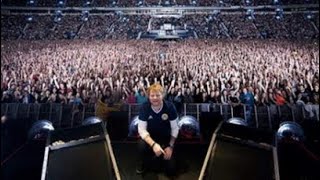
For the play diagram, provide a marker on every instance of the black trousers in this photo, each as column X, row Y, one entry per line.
column 147, row 158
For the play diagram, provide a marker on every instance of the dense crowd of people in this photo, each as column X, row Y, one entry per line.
column 193, row 71
column 230, row 63
column 119, row 26
column 231, row 60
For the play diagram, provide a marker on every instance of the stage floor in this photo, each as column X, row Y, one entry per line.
column 190, row 158
column 27, row 163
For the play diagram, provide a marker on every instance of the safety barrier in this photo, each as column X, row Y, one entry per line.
column 68, row 115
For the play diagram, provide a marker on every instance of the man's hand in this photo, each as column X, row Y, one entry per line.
column 158, row 150
column 168, row 153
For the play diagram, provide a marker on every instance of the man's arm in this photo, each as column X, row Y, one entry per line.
column 144, row 134
column 174, row 131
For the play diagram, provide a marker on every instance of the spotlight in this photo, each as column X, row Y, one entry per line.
column 40, row 130
column 250, row 14
column 57, row 16
column 91, row 120
column 87, row 3
column 133, row 127
column 85, row 16
column 237, row 121
column 31, row 3
column 61, row 3
column 209, row 19
column 57, row 19
column 276, row 2
column 309, row 16
column 290, row 130
column 279, row 13
column 140, row 3
column 189, row 126
column 248, row 2
column 29, row 18
column 216, row 12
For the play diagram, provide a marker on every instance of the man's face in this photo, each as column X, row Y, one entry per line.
column 155, row 98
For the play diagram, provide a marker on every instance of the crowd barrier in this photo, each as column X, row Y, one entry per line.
column 68, row 115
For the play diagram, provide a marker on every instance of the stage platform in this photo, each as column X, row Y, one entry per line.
column 27, row 163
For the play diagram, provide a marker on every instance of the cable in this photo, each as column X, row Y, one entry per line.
column 14, row 153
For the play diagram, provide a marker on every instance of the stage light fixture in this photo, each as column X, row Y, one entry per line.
column 292, row 130
column 189, row 126
column 133, row 127
column 279, row 13
column 40, row 129
column 91, row 120
column 237, row 121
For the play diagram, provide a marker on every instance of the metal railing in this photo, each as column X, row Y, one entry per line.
column 68, row 115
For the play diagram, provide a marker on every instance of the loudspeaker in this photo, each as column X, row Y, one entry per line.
column 241, row 152
column 234, row 160
column 78, row 153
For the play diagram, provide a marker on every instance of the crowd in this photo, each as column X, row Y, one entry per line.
column 193, row 71
column 119, row 26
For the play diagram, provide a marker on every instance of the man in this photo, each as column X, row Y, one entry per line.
column 158, row 129
column 247, row 99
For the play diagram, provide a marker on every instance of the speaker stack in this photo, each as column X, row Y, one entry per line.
column 238, row 152
column 79, row 153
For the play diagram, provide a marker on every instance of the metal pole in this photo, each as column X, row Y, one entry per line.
column 38, row 109
column 269, row 118
column 129, row 114
column 17, row 110
column 113, row 159
column 256, row 116
column 60, row 116
column 83, row 112
column 279, row 111
column 231, row 111
column 72, row 116
column 275, row 159
column 210, row 149
column 198, row 116
column 245, row 113
column 292, row 113
column 7, row 107
column 50, row 112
